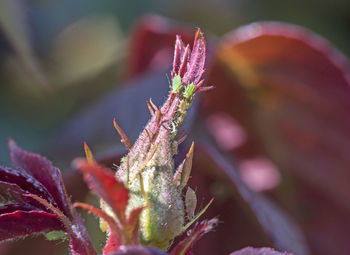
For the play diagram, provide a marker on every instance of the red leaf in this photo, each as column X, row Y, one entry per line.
column 103, row 182
column 12, row 193
column 114, row 232
column 152, row 43
column 258, row 251
column 20, row 224
column 186, row 245
column 134, row 216
column 133, row 224
column 112, row 244
column 44, row 172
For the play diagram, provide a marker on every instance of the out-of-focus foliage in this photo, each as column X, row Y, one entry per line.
column 280, row 106
column 36, row 32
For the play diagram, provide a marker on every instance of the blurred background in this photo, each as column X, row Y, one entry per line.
column 57, row 57
column 52, row 50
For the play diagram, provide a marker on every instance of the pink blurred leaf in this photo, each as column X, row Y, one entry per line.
column 259, row 173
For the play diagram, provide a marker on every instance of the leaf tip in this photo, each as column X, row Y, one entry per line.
column 88, row 154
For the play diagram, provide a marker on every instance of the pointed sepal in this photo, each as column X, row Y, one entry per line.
column 122, row 134
column 183, row 172
column 114, row 231
column 88, row 154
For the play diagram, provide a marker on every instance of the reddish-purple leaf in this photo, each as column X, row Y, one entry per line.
column 103, row 182
column 258, row 251
column 20, row 224
column 10, row 208
column 25, row 182
column 80, row 242
column 12, row 193
column 37, row 202
column 185, row 246
column 44, row 172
